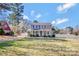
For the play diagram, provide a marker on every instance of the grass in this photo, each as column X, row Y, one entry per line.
column 40, row 47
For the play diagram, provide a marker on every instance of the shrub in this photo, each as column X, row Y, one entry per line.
column 11, row 33
column 53, row 35
column 37, row 35
column 76, row 33
column 49, row 35
column 34, row 35
column 31, row 35
column 1, row 31
column 44, row 36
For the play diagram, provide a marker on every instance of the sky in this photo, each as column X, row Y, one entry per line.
column 58, row 14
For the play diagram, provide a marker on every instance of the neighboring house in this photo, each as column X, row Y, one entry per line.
column 76, row 31
column 5, row 27
column 40, row 29
column 67, row 30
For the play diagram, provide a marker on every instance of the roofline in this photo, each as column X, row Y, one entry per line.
column 42, row 23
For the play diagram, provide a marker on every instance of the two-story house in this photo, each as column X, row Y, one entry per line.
column 41, row 29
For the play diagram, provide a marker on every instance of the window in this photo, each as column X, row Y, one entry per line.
column 39, row 26
column 44, row 26
column 36, row 27
column 32, row 26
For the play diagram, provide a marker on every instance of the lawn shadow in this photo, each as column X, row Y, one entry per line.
column 6, row 44
column 43, row 38
column 60, row 39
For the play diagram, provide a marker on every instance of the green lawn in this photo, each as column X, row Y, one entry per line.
column 40, row 47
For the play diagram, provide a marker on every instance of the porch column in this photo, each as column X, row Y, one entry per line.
column 42, row 33
column 39, row 33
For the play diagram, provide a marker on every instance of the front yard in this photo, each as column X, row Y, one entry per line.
column 40, row 47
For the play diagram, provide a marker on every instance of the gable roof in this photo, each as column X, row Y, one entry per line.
column 4, row 25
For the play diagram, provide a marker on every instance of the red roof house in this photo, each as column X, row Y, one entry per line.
column 4, row 25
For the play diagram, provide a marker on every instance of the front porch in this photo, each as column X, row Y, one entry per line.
column 41, row 33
